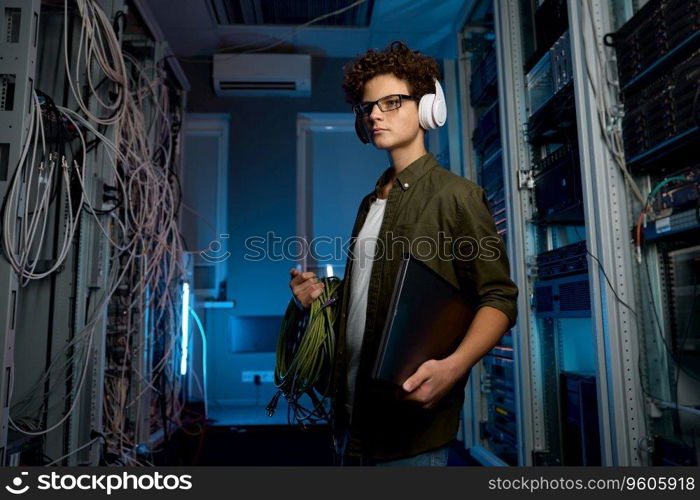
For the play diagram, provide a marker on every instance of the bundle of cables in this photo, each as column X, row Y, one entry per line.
column 305, row 355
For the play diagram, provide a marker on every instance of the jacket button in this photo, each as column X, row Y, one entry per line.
column 405, row 184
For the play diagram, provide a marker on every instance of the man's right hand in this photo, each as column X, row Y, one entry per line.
column 305, row 287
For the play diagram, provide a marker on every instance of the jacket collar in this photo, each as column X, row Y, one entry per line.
column 408, row 176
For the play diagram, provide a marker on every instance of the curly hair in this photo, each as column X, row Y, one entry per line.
column 420, row 71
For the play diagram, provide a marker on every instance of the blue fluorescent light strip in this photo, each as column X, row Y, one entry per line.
column 185, row 327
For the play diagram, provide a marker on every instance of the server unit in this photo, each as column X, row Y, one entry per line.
column 567, row 297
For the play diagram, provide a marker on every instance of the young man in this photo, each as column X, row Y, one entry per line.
column 418, row 200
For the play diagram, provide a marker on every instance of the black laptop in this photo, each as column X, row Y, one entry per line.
column 427, row 319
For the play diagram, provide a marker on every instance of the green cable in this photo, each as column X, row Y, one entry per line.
column 305, row 354
column 661, row 184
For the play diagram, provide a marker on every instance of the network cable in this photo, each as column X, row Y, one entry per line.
column 305, row 354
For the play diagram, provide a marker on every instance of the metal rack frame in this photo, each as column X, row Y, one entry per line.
column 605, row 202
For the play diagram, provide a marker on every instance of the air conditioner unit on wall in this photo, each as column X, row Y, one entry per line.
column 262, row 75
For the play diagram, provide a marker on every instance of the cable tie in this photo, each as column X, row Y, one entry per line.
column 329, row 302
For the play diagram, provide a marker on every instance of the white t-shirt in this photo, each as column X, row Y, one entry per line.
column 364, row 252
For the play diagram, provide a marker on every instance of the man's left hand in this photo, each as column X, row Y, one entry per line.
column 430, row 383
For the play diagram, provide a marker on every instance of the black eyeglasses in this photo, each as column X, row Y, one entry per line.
column 386, row 103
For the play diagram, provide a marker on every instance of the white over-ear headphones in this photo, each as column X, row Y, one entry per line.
column 432, row 110
column 432, row 113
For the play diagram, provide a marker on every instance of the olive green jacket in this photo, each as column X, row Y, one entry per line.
column 427, row 203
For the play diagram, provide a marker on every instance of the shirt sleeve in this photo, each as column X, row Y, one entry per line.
column 480, row 258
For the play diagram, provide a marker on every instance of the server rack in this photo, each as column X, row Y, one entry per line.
column 658, row 52
column 544, row 111
column 493, row 425
column 56, row 329
column 19, row 52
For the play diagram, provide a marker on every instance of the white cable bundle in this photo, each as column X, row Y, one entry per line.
column 96, row 35
column 25, row 250
column 143, row 234
column 604, row 90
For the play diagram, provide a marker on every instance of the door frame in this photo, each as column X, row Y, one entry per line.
column 308, row 123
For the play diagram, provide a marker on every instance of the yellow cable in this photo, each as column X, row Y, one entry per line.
column 305, row 353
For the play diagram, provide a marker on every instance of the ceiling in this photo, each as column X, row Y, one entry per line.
column 193, row 29
column 290, row 12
